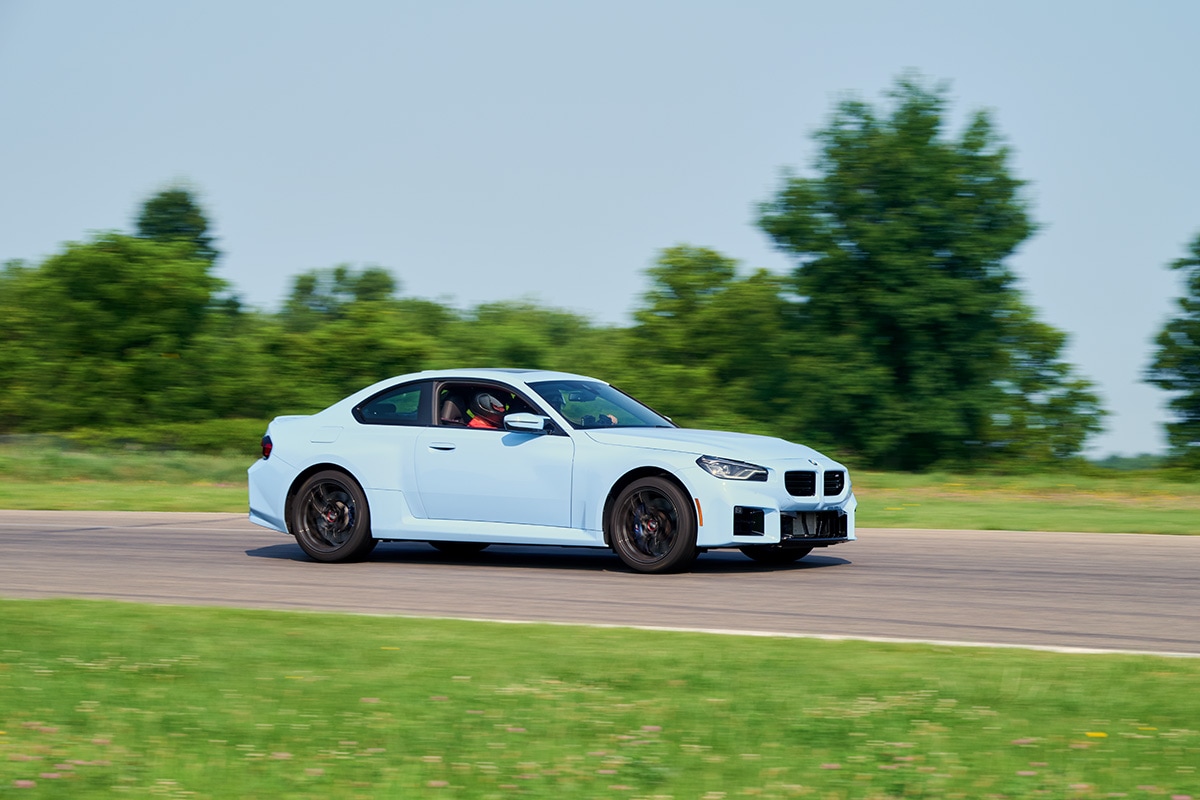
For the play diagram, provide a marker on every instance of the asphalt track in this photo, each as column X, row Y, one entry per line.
column 1059, row 590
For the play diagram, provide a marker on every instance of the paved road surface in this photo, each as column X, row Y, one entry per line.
column 1102, row 591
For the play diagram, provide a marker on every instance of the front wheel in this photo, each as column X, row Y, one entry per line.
column 330, row 519
column 775, row 554
column 652, row 528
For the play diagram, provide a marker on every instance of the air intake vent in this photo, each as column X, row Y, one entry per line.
column 823, row 525
column 835, row 482
column 800, row 484
column 747, row 521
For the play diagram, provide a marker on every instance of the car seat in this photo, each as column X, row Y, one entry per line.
column 452, row 411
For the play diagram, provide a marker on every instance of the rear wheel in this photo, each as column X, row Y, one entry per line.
column 652, row 528
column 775, row 553
column 460, row 548
column 330, row 519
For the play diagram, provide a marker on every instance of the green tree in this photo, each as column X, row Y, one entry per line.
column 342, row 329
column 1176, row 365
column 368, row 342
column 1046, row 411
column 174, row 215
column 907, row 307
column 709, row 345
column 96, row 333
column 22, row 352
column 520, row 333
column 229, row 370
column 321, row 295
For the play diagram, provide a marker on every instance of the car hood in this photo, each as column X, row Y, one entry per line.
column 724, row 444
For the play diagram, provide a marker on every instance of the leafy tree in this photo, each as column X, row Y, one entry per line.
column 174, row 215
column 370, row 341
column 676, row 320
column 228, row 369
column 324, row 294
column 710, row 347
column 22, row 364
column 517, row 333
column 907, row 307
column 1176, row 365
column 1046, row 412
column 342, row 329
column 95, row 333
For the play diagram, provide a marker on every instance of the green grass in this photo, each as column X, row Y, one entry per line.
column 1152, row 501
column 108, row 699
column 219, row 436
column 84, row 495
column 46, row 473
column 42, row 459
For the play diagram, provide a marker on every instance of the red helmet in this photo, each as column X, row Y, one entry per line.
column 487, row 407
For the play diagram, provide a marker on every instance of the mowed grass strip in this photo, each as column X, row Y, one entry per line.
column 43, row 474
column 85, row 495
column 1153, row 501
column 103, row 699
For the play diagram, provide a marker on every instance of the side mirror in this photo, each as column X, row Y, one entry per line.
column 530, row 423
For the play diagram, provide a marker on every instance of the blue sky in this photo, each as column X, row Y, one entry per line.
column 548, row 150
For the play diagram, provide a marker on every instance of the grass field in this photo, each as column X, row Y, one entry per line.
column 1117, row 502
column 108, row 699
column 44, row 474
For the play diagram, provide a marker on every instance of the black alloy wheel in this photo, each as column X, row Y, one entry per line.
column 652, row 527
column 329, row 518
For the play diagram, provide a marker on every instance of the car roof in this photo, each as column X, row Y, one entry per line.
column 515, row 377
column 499, row 373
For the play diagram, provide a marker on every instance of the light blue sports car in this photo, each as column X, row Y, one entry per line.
column 466, row 458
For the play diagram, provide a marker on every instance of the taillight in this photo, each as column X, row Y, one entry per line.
column 266, row 446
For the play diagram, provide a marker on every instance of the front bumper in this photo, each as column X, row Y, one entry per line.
column 741, row 513
column 799, row 528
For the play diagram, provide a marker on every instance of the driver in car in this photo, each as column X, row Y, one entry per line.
column 486, row 411
column 587, row 420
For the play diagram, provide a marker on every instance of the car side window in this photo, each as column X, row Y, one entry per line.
column 460, row 405
column 590, row 411
column 402, row 405
column 592, row 404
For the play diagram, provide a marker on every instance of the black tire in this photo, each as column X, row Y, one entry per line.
column 330, row 519
column 775, row 553
column 652, row 527
column 460, row 548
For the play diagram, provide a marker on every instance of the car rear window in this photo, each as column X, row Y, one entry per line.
column 401, row 405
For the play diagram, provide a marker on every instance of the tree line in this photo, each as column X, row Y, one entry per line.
column 900, row 340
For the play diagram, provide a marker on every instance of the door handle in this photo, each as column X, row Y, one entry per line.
column 441, row 446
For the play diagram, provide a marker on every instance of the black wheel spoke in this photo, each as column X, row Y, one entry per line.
column 329, row 518
column 650, row 527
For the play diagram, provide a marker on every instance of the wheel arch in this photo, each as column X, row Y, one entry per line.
column 307, row 473
column 637, row 474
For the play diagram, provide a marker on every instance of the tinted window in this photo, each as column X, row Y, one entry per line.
column 590, row 404
column 402, row 405
column 457, row 401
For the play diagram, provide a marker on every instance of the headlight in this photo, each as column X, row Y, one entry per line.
column 731, row 470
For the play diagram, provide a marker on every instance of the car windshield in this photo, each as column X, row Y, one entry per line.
column 591, row 404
